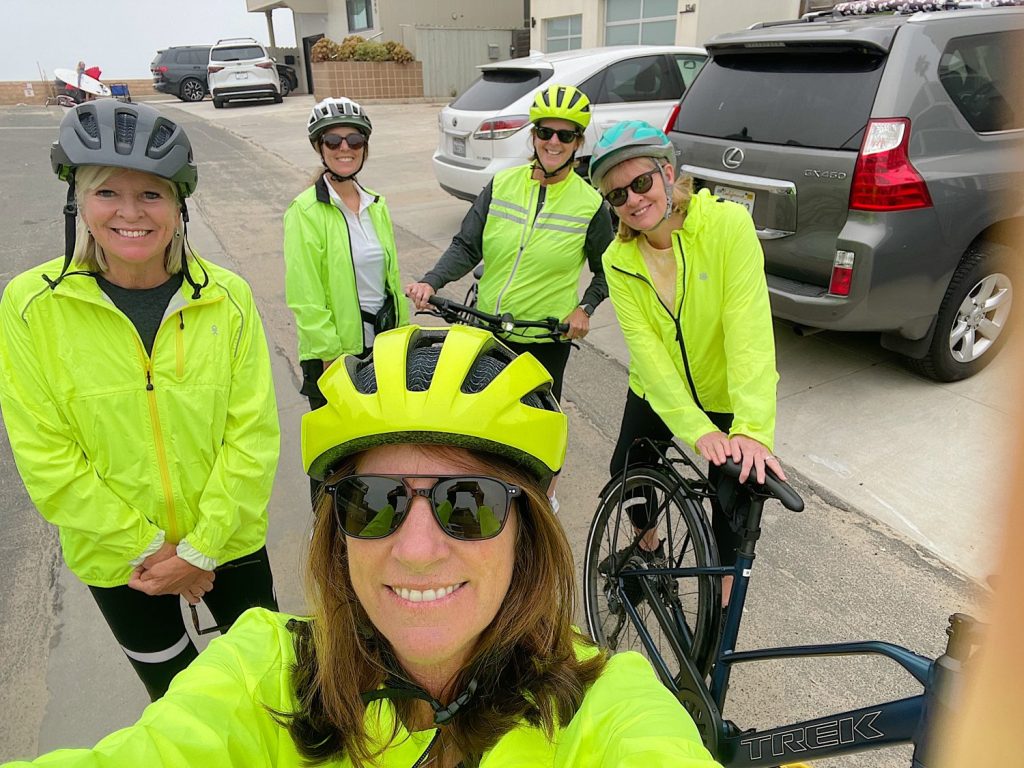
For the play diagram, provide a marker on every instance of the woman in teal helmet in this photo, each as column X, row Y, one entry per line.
column 427, row 644
column 686, row 278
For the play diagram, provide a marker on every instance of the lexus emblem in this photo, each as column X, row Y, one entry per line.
column 732, row 157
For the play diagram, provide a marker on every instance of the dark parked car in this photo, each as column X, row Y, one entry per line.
column 181, row 71
column 881, row 157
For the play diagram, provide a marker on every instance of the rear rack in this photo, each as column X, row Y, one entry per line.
column 844, row 10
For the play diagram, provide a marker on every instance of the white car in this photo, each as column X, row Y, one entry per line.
column 239, row 69
column 486, row 129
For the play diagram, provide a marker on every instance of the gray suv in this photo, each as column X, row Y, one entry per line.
column 882, row 160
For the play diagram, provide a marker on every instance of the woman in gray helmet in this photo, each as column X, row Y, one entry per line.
column 136, row 391
column 341, row 268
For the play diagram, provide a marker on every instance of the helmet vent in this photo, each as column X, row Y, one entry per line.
column 89, row 124
column 366, row 378
column 419, row 371
column 124, row 132
column 162, row 134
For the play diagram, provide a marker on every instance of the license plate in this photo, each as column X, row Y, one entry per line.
column 241, row 75
column 744, row 198
column 459, row 146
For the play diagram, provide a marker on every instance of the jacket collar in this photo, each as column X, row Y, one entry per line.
column 323, row 196
column 196, row 286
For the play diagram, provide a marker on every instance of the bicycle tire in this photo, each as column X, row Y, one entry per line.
column 689, row 542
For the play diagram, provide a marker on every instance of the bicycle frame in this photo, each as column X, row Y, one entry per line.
column 906, row 720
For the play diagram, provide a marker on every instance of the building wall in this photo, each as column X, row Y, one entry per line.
column 693, row 27
column 463, row 14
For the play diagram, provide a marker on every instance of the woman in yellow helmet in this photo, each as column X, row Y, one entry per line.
column 534, row 226
column 442, row 595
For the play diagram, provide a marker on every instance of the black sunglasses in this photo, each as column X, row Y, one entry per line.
column 354, row 140
column 640, row 184
column 565, row 135
column 467, row 508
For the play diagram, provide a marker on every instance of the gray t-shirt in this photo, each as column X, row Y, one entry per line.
column 145, row 307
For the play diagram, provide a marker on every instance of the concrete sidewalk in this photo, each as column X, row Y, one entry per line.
column 920, row 457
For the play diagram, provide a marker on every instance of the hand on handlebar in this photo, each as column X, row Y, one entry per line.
column 419, row 293
column 579, row 324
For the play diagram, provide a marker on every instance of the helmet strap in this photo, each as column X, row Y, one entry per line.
column 397, row 688
column 550, row 174
column 70, row 236
column 668, row 190
column 196, row 286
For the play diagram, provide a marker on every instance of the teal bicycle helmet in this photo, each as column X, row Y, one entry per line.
column 630, row 138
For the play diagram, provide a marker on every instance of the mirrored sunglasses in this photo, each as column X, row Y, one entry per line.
column 640, row 184
column 467, row 507
column 333, row 140
column 564, row 135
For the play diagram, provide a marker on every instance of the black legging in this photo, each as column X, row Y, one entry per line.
column 151, row 631
column 640, row 420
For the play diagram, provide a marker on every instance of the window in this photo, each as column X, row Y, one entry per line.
column 563, row 33
column 689, row 65
column 237, row 53
column 359, row 14
column 497, row 88
column 645, row 79
column 976, row 73
column 650, row 22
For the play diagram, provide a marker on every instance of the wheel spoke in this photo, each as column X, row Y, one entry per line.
column 996, row 299
column 958, row 332
column 989, row 329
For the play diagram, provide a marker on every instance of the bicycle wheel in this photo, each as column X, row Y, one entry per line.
column 687, row 542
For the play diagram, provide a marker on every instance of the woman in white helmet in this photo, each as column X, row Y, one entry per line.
column 341, row 269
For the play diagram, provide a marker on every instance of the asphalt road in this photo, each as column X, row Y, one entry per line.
column 827, row 574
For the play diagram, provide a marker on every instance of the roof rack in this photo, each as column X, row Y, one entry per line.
column 237, row 40
column 864, row 7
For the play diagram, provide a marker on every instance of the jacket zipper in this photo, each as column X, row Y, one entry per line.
column 158, row 442
column 179, row 347
column 675, row 320
column 423, row 758
column 523, row 240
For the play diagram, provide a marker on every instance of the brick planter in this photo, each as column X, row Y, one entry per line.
column 360, row 80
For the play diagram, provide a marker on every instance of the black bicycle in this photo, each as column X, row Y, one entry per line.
column 653, row 584
column 504, row 325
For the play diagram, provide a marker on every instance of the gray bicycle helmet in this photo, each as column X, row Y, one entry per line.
column 131, row 136
column 625, row 140
column 341, row 111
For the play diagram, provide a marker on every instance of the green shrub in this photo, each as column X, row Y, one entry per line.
column 356, row 48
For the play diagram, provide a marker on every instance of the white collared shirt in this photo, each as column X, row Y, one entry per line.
column 367, row 254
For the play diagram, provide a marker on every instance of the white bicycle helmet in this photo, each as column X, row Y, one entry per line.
column 337, row 111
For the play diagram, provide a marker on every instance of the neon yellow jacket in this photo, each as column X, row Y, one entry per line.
column 320, row 279
column 114, row 445
column 215, row 714
column 725, row 319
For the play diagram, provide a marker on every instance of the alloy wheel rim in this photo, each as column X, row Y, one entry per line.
column 981, row 318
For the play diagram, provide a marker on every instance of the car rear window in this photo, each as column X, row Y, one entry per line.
column 497, row 88
column 237, row 53
column 811, row 99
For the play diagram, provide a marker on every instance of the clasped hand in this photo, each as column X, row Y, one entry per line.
column 164, row 573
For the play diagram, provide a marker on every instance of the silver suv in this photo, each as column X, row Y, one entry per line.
column 240, row 68
column 882, row 159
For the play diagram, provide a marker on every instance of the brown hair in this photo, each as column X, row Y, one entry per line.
column 524, row 662
column 682, row 191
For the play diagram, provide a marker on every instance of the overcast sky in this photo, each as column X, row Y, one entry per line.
column 121, row 37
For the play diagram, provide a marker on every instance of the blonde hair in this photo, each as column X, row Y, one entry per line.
column 88, row 254
column 682, row 191
column 526, row 657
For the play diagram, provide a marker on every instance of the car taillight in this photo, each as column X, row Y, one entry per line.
column 266, row 65
column 213, row 68
column 500, row 127
column 884, row 179
column 842, row 274
column 161, row 70
column 672, row 118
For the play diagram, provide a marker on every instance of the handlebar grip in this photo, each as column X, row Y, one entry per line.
column 438, row 301
column 773, row 486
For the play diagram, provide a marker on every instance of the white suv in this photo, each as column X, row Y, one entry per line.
column 486, row 129
column 240, row 68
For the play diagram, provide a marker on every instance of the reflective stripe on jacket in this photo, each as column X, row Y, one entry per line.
column 714, row 351
column 320, row 279
column 114, row 444
column 533, row 259
column 218, row 713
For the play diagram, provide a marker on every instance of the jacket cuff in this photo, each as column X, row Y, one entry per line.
column 152, row 549
column 193, row 556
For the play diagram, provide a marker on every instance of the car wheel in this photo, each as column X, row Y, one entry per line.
column 218, row 103
column 192, row 90
column 286, row 86
column 973, row 319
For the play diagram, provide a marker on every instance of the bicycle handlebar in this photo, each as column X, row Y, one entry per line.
column 772, row 486
column 452, row 311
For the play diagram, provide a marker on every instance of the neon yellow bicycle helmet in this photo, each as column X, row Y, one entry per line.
column 454, row 386
column 562, row 102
